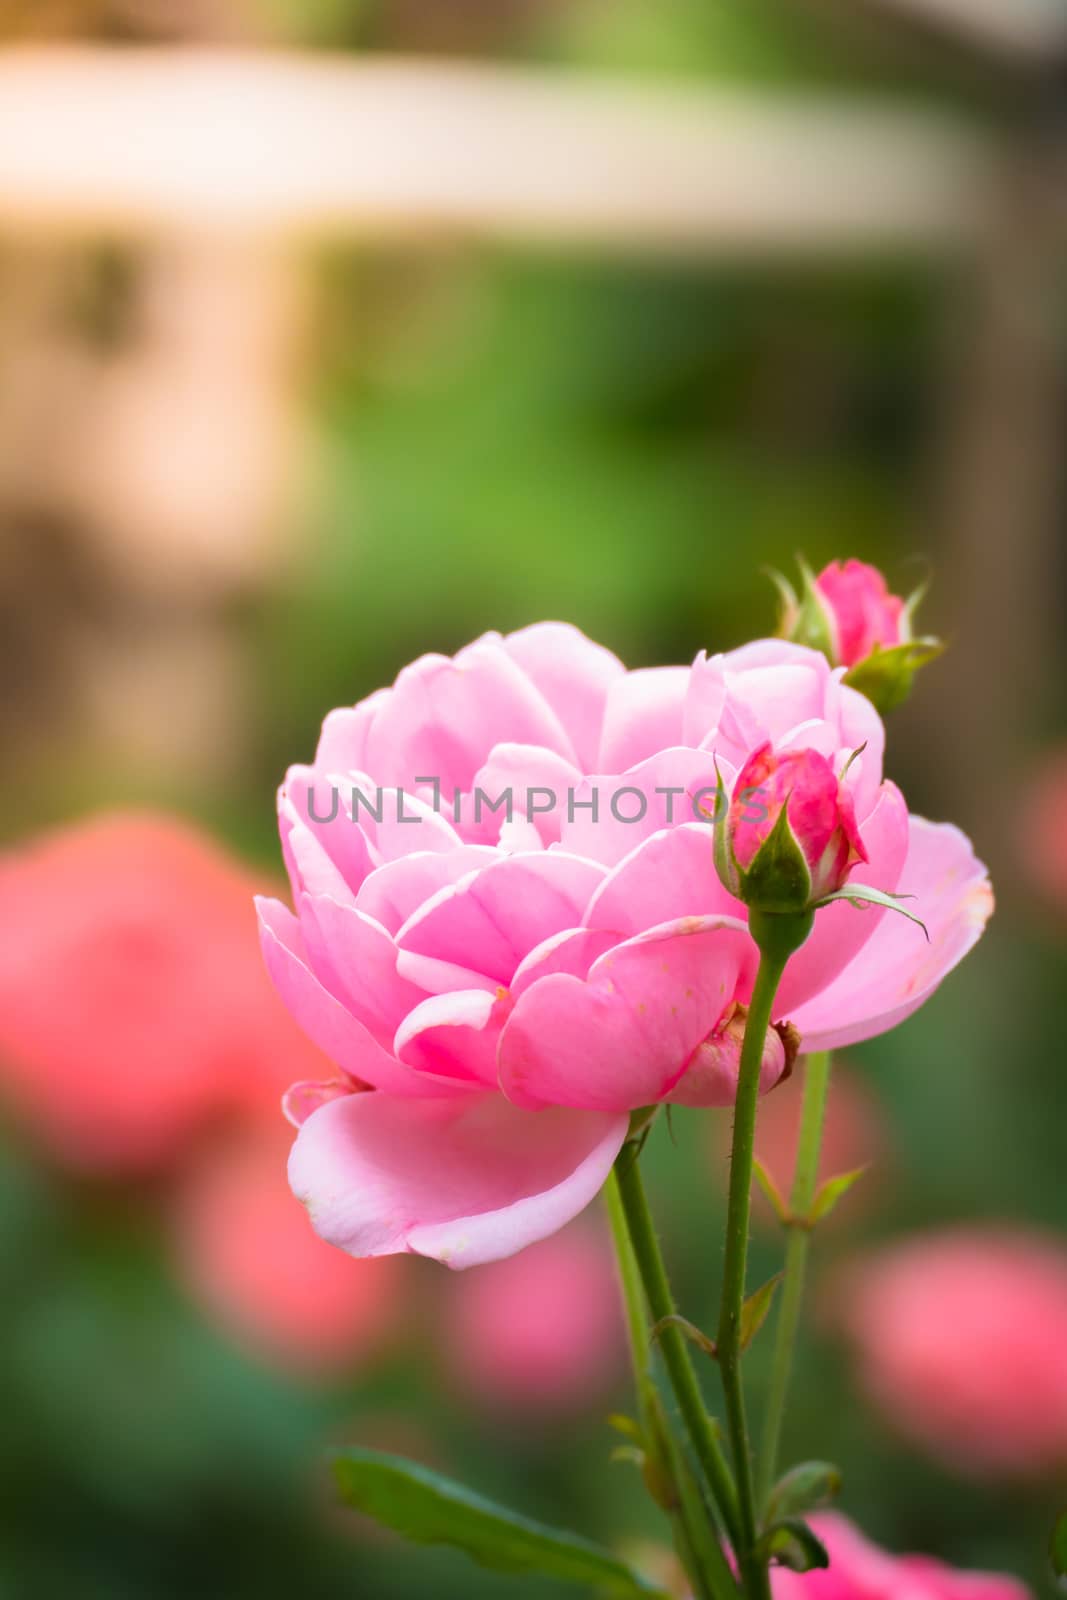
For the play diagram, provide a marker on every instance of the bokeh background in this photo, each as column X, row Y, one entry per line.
column 335, row 332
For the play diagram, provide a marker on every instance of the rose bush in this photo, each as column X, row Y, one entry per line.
column 501, row 985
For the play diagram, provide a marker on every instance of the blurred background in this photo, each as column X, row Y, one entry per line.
column 337, row 331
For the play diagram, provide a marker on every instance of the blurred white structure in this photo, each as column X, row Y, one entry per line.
column 149, row 140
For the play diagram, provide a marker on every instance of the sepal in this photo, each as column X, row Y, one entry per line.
column 803, row 1488
column 805, row 619
column 791, row 1543
column 886, row 675
column 861, row 894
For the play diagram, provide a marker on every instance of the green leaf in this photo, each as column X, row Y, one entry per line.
column 755, row 1309
column 791, row 1543
column 830, row 1192
column 802, row 1488
column 427, row 1509
column 771, row 1190
column 1057, row 1550
column 860, row 894
column 694, row 1334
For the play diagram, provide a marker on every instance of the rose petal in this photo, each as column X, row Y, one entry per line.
column 393, row 891
column 492, row 918
column 643, row 715
column 896, row 969
column 356, row 959
column 841, row 930
column 464, row 1181
column 574, row 675
column 623, row 1037
column 610, row 816
column 322, row 1016
column 669, row 875
column 455, row 1034
column 444, row 716
column 518, row 771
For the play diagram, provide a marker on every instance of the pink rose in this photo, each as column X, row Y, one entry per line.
column 792, row 862
column 133, row 1002
column 540, row 1333
column 510, row 981
column 861, row 612
column 962, row 1340
column 248, row 1255
column 860, row 1570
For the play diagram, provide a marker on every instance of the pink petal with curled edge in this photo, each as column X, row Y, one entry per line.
column 356, row 959
column 324, row 1018
column 643, row 715
column 574, row 675
column 572, row 951
column 491, row 919
column 623, row 1037
column 321, row 847
column 455, row 1034
column 464, row 1181
column 515, row 770
column 433, row 976
column 396, row 889
column 301, row 1099
column 399, row 822
column 896, row 969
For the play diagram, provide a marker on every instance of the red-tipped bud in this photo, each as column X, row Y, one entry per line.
column 789, row 836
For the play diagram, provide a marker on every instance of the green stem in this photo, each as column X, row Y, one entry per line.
column 696, row 1538
column 753, row 1571
column 675, row 1351
column 802, row 1195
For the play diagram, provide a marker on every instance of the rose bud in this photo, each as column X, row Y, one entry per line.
column 788, row 837
column 848, row 613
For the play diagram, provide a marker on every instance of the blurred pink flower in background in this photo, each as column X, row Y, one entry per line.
column 133, row 1004
column 248, row 1254
column 854, row 1135
column 860, row 1570
column 511, row 989
column 961, row 1338
column 1042, row 832
column 540, row 1332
